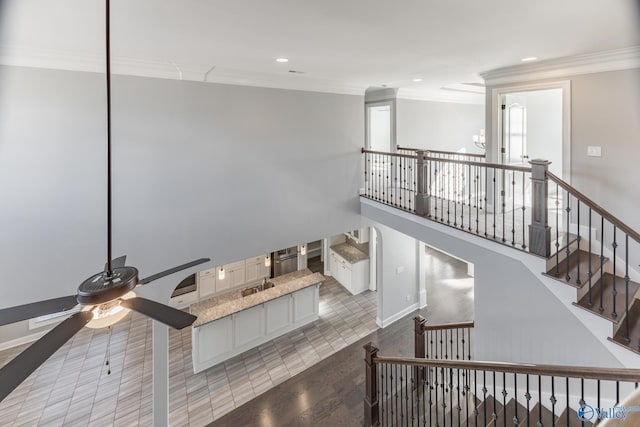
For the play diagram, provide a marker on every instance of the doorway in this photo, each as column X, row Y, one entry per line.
column 532, row 121
column 380, row 127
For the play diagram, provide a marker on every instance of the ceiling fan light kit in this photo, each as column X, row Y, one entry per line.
column 105, row 297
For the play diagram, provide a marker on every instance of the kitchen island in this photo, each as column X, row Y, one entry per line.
column 231, row 324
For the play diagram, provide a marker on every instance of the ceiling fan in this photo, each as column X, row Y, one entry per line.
column 103, row 299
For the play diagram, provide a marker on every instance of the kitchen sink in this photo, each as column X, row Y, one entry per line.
column 250, row 291
column 255, row 289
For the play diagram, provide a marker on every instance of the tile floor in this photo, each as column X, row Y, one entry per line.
column 73, row 389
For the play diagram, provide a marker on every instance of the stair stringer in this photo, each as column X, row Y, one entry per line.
column 487, row 256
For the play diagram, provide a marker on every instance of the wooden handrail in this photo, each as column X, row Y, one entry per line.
column 596, row 207
column 591, row 373
column 406, row 156
column 453, row 153
column 460, row 162
column 440, row 327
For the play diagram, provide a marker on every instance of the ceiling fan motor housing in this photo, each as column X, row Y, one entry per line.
column 102, row 287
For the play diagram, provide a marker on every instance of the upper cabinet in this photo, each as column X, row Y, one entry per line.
column 230, row 276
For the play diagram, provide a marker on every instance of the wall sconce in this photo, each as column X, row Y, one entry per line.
column 479, row 140
column 303, row 250
column 221, row 273
column 267, row 261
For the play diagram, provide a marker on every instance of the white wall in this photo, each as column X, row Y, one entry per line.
column 439, row 125
column 200, row 170
column 604, row 112
column 544, row 126
column 399, row 292
column 517, row 318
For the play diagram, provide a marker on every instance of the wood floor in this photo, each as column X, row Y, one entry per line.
column 331, row 392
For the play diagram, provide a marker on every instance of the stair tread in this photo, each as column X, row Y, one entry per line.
column 607, row 297
column 488, row 404
column 509, row 413
column 538, row 414
column 634, row 329
column 572, row 268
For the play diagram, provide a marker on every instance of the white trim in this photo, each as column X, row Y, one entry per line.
column 399, row 315
column 22, row 340
column 78, row 61
column 496, row 133
column 611, row 60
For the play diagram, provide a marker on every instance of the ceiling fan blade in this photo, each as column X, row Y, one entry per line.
column 35, row 309
column 170, row 316
column 17, row 370
column 173, row 270
column 116, row 262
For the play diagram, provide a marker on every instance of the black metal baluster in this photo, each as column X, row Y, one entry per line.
column 448, row 192
column 486, row 211
column 470, row 188
column 450, row 397
column 513, row 209
column 578, row 281
column 528, row 398
column 495, row 203
column 477, row 199
column 394, row 182
column 442, row 197
column 582, row 402
column 590, row 275
column 615, row 290
column 504, row 397
column 567, row 386
column 568, row 251
column 601, row 308
column 494, row 414
column 627, row 338
column 617, row 393
column 436, row 390
column 557, row 273
column 524, row 204
column 553, row 400
column 503, row 203
column 455, row 194
column 484, row 398
column 516, row 420
column 539, row 400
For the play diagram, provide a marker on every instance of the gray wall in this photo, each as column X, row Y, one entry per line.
column 201, row 170
column 605, row 111
column 517, row 318
column 438, row 125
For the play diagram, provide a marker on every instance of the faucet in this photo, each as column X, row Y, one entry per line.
column 263, row 284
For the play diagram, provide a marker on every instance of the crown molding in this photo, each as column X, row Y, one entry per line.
column 598, row 62
column 440, row 95
column 78, row 61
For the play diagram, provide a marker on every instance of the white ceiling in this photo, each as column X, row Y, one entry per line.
column 340, row 45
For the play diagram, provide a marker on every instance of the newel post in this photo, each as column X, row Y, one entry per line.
column 422, row 204
column 419, row 348
column 539, row 230
column 371, row 406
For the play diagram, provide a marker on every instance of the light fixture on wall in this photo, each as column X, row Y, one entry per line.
column 221, row 273
column 479, row 140
column 267, row 261
column 303, row 249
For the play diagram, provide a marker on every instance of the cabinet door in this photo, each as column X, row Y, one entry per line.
column 236, row 276
column 249, row 325
column 278, row 313
column 207, row 283
column 253, row 271
column 304, row 304
column 214, row 339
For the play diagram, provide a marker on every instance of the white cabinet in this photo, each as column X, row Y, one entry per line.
column 234, row 276
column 184, row 300
column 206, row 283
column 256, row 270
column 354, row 277
column 249, row 325
column 237, row 276
column 220, row 340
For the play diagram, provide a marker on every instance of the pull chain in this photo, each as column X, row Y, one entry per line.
column 108, row 355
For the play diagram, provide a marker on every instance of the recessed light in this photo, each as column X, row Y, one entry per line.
column 282, row 60
column 529, row 59
column 417, row 80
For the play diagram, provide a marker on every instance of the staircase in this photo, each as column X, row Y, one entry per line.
column 526, row 208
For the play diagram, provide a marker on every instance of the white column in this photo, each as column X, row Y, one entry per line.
column 160, row 375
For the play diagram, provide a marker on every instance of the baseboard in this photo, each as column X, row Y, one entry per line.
column 22, row 340
column 399, row 315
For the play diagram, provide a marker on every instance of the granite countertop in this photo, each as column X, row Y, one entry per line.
column 227, row 304
column 350, row 253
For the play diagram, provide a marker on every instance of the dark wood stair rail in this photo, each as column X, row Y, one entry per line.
column 388, row 377
column 442, row 152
